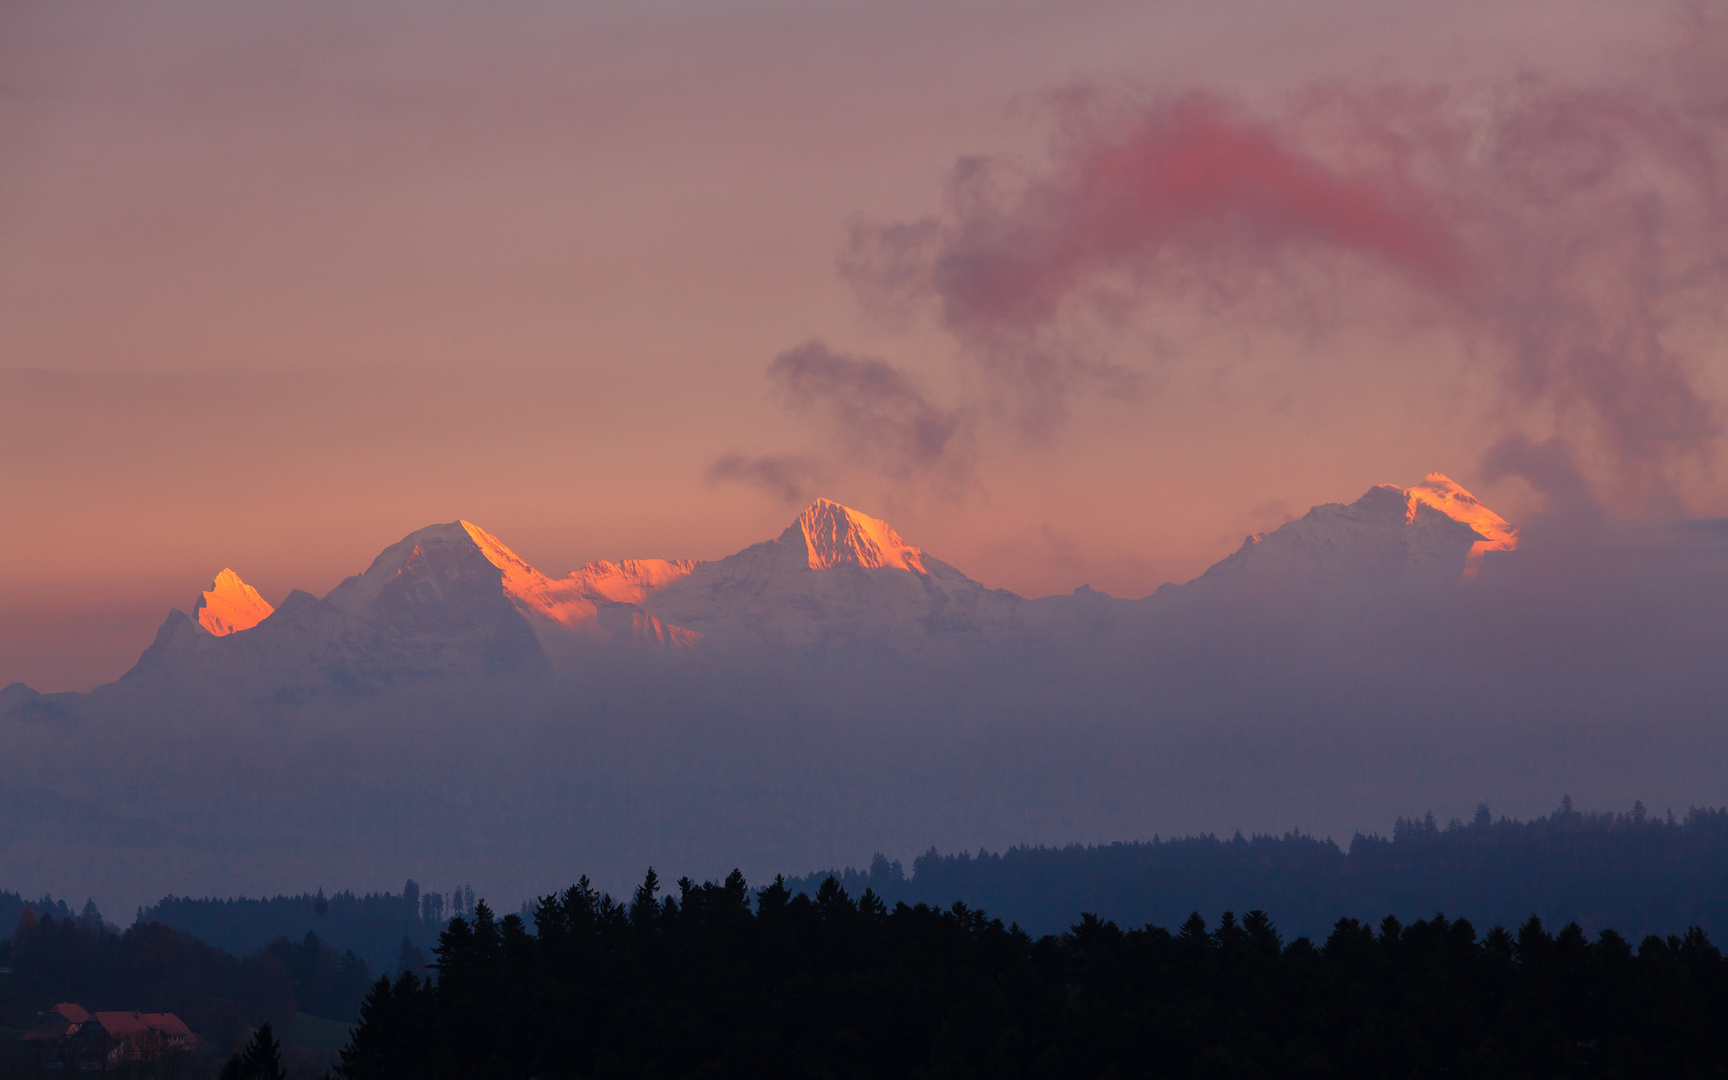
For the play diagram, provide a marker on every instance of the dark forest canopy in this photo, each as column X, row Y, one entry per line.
column 706, row 983
column 1638, row 872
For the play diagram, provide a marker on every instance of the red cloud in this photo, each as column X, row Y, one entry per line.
column 1572, row 236
column 1188, row 176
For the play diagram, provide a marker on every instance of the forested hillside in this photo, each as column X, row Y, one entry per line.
column 13, row 905
column 1636, row 872
column 150, row 967
column 706, row 983
column 372, row 925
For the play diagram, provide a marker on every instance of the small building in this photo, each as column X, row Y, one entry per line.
column 68, row 1037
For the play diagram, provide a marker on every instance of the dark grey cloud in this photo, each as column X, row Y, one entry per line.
column 875, row 414
column 872, row 416
column 791, row 478
column 1571, row 510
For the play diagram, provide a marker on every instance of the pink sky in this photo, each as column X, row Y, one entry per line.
column 280, row 283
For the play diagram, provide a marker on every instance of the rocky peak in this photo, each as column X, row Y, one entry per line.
column 231, row 605
column 834, row 535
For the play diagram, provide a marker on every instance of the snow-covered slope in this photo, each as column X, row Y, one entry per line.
column 1430, row 533
column 1440, row 492
column 628, row 581
column 835, row 578
column 565, row 612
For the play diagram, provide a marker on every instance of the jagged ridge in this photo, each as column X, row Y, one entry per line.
column 230, row 605
column 454, row 598
column 1432, row 531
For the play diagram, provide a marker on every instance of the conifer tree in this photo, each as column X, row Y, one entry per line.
column 260, row 1060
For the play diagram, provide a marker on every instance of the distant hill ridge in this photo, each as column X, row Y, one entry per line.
column 372, row 925
column 1634, row 872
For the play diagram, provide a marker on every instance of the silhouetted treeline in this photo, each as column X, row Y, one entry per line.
column 12, row 906
column 706, row 984
column 372, row 925
column 151, row 967
column 1637, row 872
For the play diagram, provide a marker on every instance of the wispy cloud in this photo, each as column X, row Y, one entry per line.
column 791, row 478
column 876, row 412
column 872, row 415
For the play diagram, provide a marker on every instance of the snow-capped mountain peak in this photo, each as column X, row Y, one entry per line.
column 835, row 535
column 833, row 579
column 230, row 605
column 1443, row 494
column 429, row 565
column 518, row 576
column 1431, row 531
column 529, row 589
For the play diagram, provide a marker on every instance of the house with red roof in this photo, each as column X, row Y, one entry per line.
column 69, row 1037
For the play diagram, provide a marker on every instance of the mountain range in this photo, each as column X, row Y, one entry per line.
column 455, row 713
column 455, row 600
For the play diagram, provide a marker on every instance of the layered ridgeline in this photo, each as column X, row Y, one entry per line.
column 454, row 600
column 1638, row 873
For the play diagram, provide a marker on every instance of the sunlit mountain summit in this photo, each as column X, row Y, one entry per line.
column 835, row 535
column 1429, row 533
column 834, row 578
column 1439, row 491
column 445, row 600
column 230, row 604
column 596, row 603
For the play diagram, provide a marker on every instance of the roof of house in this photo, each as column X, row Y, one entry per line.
column 61, row 1020
column 124, row 1025
column 64, row 1019
column 169, row 1024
